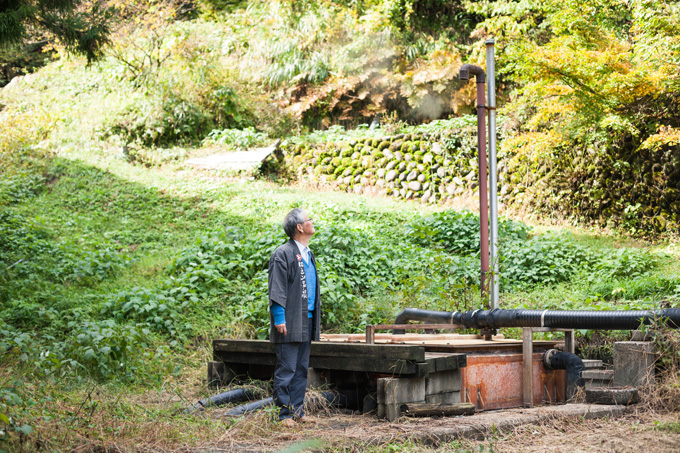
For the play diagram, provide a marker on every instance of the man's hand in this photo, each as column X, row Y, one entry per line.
column 281, row 328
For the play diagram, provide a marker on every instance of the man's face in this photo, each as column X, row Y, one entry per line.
column 307, row 227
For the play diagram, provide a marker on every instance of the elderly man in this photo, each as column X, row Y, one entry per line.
column 294, row 301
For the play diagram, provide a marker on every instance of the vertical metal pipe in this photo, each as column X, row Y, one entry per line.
column 494, row 284
column 464, row 74
column 483, row 196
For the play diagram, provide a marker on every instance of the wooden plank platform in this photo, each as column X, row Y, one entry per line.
column 389, row 359
column 443, row 342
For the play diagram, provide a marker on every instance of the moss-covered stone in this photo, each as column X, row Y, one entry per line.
column 396, row 145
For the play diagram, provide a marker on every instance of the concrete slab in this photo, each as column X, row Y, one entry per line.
column 443, row 382
column 617, row 396
column 634, row 363
column 592, row 364
column 443, row 398
column 236, row 161
column 598, row 378
column 481, row 425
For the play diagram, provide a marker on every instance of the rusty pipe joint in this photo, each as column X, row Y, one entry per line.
column 468, row 69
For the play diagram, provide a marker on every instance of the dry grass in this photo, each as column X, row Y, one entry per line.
column 628, row 434
column 98, row 418
column 117, row 420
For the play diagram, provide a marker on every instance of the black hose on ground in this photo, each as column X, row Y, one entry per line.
column 558, row 319
column 250, row 407
column 336, row 398
column 232, row 396
column 572, row 364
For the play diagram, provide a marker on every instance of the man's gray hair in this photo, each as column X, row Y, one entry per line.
column 292, row 220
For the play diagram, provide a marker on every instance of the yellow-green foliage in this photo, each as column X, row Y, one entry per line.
column 598, row 106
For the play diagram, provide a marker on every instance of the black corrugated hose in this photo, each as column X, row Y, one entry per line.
column 572, row 364
column 558, row 319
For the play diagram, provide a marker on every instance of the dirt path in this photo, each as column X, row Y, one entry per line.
column 542, row 429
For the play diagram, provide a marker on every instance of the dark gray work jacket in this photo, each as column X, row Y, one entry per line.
column 285, row 288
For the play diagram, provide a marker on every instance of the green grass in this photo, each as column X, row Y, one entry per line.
column 97, row 231
column 671, row 427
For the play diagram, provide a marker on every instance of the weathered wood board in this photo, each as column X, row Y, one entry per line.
column 372, row 358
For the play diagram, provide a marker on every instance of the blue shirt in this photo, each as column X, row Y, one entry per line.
column 310, row 276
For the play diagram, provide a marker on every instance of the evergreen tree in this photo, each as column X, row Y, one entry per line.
column 81, row 26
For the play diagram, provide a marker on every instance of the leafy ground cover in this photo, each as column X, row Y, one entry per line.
column 116, row 276
column 119, row 263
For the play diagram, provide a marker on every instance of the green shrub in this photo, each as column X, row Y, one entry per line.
column 20, row 186
column 160, row 312
column 624, row 263
column 543, row 260
column 458, row 232
column 102, row 349
column 237, row 138
column 153, row 122
column 95, row 266
column 10, row 398
column 353, row 255
column 228, row 254
column 99, row 349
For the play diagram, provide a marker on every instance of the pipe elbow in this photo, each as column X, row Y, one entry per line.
column 468, row 69
column 572, row 364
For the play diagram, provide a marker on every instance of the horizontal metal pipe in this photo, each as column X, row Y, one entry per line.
column 428, row 316
column 558, row 319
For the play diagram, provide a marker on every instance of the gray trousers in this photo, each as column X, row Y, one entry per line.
column 290, row 377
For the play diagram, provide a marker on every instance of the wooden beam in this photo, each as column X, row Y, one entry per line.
column 445, row 362
column 369, row 364
column 248, row 346
column 246, row 358
column 391, row 351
